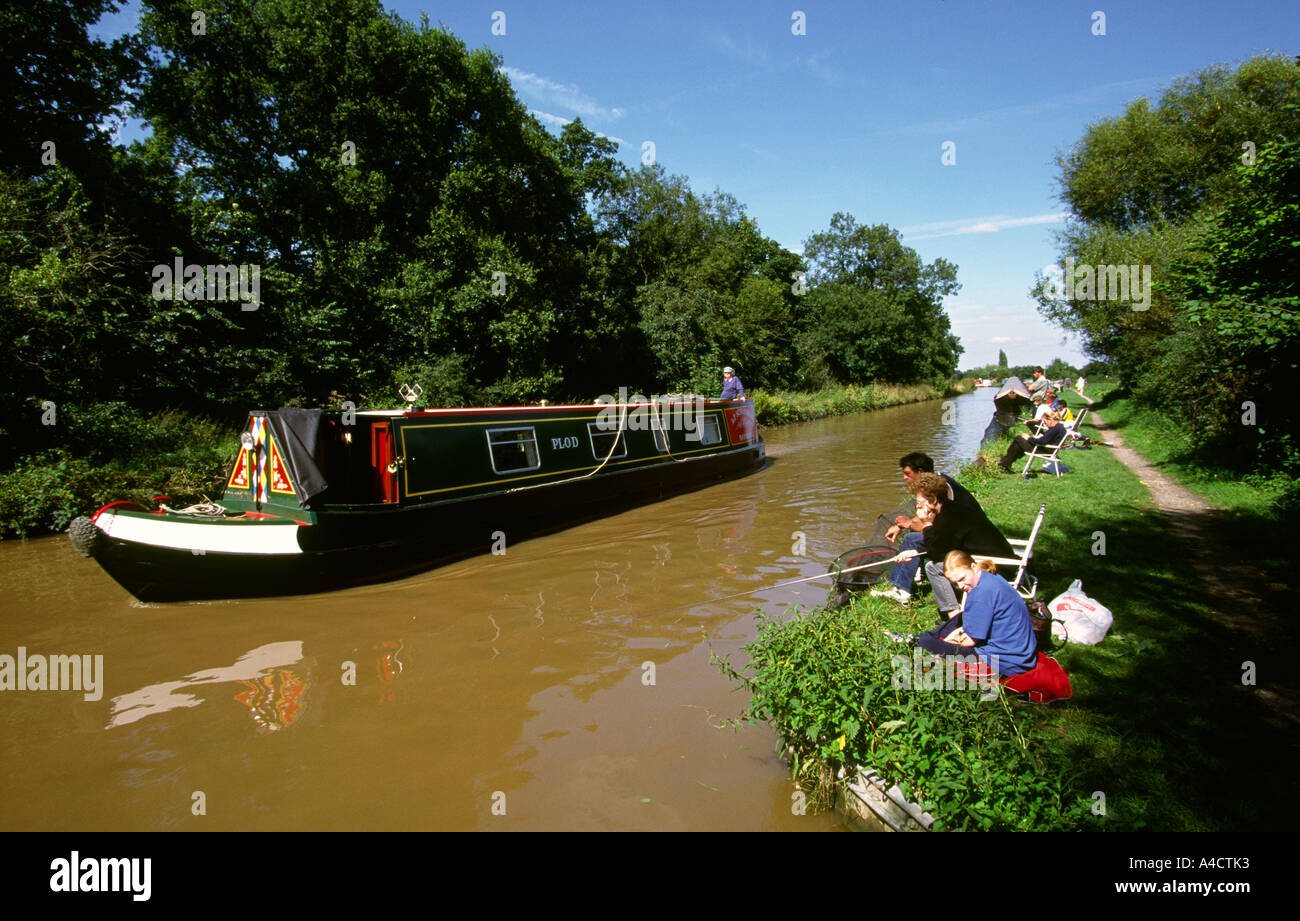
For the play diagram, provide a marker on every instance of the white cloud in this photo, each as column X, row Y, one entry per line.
column 560, row 122
column 978, row 225
column 565, row 95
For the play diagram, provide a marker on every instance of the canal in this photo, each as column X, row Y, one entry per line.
column 550, row 687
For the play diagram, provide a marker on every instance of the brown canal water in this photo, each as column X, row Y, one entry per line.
column 534, row 690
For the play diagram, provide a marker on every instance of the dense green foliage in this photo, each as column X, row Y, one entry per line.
column 841, row 695
column 1201, row 190
column 409, row 221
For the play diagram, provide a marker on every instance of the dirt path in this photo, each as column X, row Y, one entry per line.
column 1255, row 612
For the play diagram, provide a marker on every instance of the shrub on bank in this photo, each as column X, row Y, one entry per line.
column 112, row 452
column 841, row 695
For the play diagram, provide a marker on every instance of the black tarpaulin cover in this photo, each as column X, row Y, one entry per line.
column 297, row 434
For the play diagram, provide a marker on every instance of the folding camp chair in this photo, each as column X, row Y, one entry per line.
column 1047, row 454
column 1023, row 583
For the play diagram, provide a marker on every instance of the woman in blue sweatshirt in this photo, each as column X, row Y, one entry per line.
column 993, row 623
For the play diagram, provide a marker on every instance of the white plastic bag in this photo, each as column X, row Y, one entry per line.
column 1086, row 620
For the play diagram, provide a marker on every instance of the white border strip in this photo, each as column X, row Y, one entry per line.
column 259, row 537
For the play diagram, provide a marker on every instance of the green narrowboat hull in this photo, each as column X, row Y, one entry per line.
column 311, row 507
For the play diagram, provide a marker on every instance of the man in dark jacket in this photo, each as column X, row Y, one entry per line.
column 947, row 524
column 912, row 465
column 1053, row 432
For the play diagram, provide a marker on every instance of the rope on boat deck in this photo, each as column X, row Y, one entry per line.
column 617, row 435
column 208, row 509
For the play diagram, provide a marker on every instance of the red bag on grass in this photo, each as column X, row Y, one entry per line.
column 1043, row 683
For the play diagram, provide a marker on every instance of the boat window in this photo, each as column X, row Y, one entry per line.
column 513, row 449
column 710, row 430
column 602, row 441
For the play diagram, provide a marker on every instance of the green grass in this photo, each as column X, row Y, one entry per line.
column 1165, row 444
column 1160, row 722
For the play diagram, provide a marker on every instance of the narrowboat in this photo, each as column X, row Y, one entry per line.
column 1012, row 396
column 320, row 499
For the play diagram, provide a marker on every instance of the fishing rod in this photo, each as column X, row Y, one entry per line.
column 901, row 557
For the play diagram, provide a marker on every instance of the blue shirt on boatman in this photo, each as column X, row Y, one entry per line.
column 732, row 388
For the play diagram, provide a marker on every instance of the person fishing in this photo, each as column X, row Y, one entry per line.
column 946, row 524
column 917, row 463
column 1053, row 432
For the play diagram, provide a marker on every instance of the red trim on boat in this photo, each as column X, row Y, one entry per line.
column 118, row 502
column 259, row 515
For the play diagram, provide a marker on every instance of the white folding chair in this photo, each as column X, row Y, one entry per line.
column 1023, row 583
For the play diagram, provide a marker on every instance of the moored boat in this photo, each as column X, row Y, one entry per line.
column 1012, row 396
column 319, row 499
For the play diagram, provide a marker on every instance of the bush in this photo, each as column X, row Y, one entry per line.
column 109, row 452
column 836, row 691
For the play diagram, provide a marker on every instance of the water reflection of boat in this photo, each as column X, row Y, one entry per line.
column 319, row 499
column 276, row 700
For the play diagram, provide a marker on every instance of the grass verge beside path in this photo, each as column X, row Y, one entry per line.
column 1160, row 725
column 1165, row 444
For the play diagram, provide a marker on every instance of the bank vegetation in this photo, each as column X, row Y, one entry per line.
column 409, row 222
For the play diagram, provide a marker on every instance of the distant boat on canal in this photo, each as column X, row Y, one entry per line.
column 319, row 499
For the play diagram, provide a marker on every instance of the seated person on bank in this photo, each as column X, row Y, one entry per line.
column 911, row 465
column 947, row 524
column 1043, row 404
column 993, row 624
column 1052, row 433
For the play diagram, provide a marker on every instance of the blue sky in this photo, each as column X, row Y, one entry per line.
column 853, row 114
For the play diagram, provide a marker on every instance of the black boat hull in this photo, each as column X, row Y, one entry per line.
column 366, row 545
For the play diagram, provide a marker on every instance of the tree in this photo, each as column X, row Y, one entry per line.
column 402, row 203
column 1197, row 191
column 880, row 308
column 1002, row 359
column 58, row 86
column 1141, row 185
column 1242, row 302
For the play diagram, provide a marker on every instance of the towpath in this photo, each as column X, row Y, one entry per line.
column 1258, row 613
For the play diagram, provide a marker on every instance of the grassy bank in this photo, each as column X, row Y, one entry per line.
column 1161, row 724
column 783, row 407
column 1166, row 444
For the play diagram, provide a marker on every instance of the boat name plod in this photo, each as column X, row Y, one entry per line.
column 665, row 412
column 52, row 673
